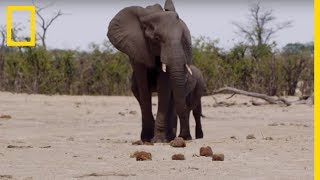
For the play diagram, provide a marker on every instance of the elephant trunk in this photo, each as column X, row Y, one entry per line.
column 174, row 61
column 177, row 74
column 178, row 80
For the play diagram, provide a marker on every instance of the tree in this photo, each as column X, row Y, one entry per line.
column 297, row 61
column 3, row 40
column 16, row 28
column 260, row 29
column 45, row 23
column 3, row 37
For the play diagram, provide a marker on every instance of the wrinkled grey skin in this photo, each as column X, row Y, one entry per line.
column 195, row 87
column 151, row 37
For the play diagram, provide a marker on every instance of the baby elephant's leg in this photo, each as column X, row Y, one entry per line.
column 197, row 116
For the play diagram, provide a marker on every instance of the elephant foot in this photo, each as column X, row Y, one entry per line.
column 199, row 134
column 159, row 138
column 170, row 137
column 147, row 134
column 171, row 134
column 186, row 136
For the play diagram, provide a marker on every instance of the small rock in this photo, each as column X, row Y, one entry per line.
column 45, row 147
column 133, row 112
column 18, row 147
column 99, row 158
column 178, row 142
column 6, row 176
column 206, row 151
column 142, row 156
column 273, row 124
column 70, row 139
column 282, row 124
column 195, row 168
column 233, row 137
column 178, row 157
column 218, row 157
column 137, row 143
column 251, row 136
column 121, row 113
column 268, row 138
column 77, row 104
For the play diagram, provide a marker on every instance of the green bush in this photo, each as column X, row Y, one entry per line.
column 106, row 72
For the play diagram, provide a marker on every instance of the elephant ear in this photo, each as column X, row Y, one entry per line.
column 186, row 42
column 126, row 34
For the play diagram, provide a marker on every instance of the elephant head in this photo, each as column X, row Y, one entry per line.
column 167, row 29
column 139, row 32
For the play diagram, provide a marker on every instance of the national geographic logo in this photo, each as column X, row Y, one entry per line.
column 32, row 40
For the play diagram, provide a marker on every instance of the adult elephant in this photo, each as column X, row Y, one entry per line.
column 158, row 44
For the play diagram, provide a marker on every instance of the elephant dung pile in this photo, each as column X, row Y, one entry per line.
column 142, row 156
column 178, row 157
column 178, row 142
column 206, row 151
column 5, row 116
column 218, row 157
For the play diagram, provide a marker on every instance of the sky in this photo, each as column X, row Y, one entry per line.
column 85, row 22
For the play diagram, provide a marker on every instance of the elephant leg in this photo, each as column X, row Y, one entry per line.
column 164, row 95
column 134, row 88
column 197, row 116
column 141, row 90
column 184, row 125
column 171, row 120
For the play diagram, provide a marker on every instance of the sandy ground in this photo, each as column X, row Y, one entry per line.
column 84, row 137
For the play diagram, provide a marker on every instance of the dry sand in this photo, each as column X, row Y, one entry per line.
column 85, row 137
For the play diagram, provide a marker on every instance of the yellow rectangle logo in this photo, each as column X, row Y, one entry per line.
column 32, row 11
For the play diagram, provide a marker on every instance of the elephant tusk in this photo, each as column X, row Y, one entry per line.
column 189, row 69
column 164, row 67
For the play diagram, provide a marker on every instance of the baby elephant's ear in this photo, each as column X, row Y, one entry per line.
column 126, row 34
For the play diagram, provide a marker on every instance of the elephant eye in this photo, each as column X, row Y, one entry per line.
column 157, row 36
column 151, row 27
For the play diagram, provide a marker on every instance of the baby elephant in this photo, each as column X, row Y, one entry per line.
column 195, row 89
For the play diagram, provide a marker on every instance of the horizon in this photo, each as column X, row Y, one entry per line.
column 78, row 28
